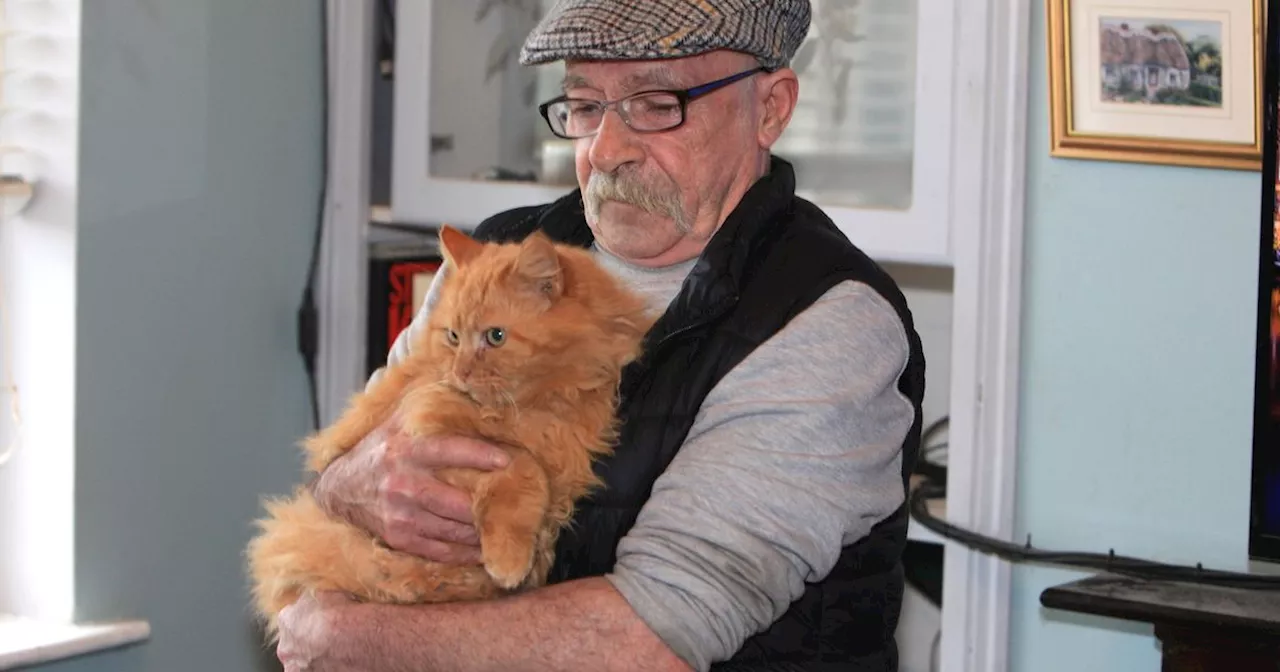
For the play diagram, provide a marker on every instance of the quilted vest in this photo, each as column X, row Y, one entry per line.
column 774, row 256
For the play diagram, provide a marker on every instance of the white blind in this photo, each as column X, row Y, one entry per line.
column 852, row 134
column 39, row 132
column 10, row 406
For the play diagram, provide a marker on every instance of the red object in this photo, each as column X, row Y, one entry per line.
column 400, row 298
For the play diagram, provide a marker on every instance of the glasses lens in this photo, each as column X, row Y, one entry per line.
column 574, row 118
column 653, row 111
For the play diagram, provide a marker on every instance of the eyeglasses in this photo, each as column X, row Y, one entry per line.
column 645, row 112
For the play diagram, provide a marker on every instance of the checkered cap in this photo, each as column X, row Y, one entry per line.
column 770, row 30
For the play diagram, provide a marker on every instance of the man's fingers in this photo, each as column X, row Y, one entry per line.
column 445, row 500
column 446, row 553
column 412, row 494
column 449, row 531
column 457, row 451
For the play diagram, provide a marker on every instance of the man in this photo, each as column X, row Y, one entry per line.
column 754, row 508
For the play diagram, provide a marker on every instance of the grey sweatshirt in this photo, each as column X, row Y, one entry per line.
column 793, row 455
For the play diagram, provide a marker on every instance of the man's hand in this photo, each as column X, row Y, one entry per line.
column 386, row 485
column 309, row 634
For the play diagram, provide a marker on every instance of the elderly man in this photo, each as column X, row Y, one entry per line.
column 754, row 508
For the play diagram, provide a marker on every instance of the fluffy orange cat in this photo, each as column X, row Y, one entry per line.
column 524, row 349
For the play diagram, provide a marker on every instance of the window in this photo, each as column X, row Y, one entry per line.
column 852, row 134
column 38, row 130
column 871, row 138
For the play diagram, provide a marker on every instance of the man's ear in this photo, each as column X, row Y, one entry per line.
column 539, row 265
column 779, row 91
column 458, row 248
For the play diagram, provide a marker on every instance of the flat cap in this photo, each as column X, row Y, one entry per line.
column 627, row 30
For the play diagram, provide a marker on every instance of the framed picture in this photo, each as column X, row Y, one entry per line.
column 1175, row 82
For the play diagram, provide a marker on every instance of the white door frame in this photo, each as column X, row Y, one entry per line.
column 343, row 270
column 986, row 253
column 988, row 219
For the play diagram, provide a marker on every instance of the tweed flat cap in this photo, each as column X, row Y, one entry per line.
column 770, row 30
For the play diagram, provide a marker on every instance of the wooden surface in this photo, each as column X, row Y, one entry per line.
column 1201, row 628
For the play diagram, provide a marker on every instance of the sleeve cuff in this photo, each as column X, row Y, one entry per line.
column 658, row 615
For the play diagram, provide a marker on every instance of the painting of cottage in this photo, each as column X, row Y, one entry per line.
column 1161, row 62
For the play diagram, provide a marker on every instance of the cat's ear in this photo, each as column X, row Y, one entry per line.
column 458, row 247
column 539, row 265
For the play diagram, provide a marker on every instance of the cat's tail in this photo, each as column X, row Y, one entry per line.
column 300, row 549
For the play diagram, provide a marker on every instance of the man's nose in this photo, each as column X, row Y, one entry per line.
column 614, row 144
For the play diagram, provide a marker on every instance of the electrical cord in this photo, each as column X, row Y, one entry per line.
column 1109, row 562
column 925, row 464
column 387, row 39
column 308, row 314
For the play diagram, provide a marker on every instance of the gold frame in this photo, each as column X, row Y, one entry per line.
column 1067, row 142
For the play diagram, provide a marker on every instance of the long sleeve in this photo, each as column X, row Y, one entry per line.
column 794, row 454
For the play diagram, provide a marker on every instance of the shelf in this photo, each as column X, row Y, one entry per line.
column 26, row 641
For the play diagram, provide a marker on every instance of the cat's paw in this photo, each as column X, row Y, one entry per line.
column 507, row 563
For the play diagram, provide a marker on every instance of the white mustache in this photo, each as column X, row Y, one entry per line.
column 663, row 202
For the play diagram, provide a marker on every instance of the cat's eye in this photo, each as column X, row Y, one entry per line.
column 495, row 336
column 451, row 336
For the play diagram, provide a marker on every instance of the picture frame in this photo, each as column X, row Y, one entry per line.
column 1172, row 82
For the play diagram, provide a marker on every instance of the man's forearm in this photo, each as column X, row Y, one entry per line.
column 580, row 625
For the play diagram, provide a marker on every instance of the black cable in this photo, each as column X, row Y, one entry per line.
column 1109, row 562
column 308, row 314
column 387, row 39
column 925, row 465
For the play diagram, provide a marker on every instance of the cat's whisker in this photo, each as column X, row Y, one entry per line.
column 512, row 401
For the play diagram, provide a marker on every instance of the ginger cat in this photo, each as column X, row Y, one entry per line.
column 525, row 349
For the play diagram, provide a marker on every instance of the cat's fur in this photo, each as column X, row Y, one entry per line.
column 547, row 394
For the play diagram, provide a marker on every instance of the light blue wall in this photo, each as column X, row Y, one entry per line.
column 1137, row 378
column 200, row 166
column 200, row 169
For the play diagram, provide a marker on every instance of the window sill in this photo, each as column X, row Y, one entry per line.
column 27, row 642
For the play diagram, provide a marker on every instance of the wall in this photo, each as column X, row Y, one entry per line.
column 200, row 170
column 1137, row 378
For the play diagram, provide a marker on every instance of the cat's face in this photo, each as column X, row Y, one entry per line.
column 494, row 329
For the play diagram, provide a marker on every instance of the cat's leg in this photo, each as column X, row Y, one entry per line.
column 543, row 556
column 366, row 411
column 510, row 508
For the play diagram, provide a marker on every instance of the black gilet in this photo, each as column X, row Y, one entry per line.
column 774, row 256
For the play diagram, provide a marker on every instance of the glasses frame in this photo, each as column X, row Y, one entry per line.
column 684, row 96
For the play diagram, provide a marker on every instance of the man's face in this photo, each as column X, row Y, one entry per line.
column 656, row 198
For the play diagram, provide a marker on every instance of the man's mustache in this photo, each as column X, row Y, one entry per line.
column 663, row 201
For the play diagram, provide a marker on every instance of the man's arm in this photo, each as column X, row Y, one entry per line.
column 579, row 625
column 795, row 454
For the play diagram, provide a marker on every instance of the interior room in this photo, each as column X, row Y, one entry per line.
column 220, row 218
